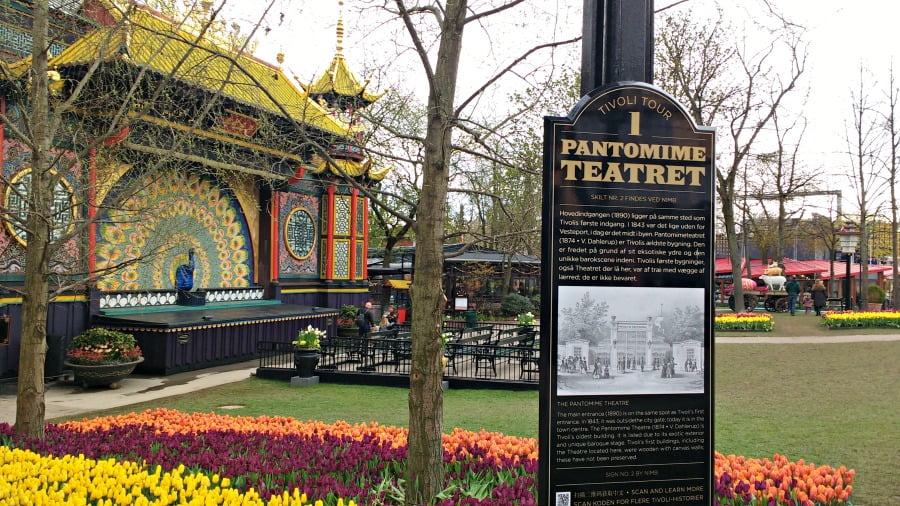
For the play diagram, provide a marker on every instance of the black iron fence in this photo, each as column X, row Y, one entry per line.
column 474, row 355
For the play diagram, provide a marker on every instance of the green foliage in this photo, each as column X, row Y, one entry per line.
column 347, row 315
column 97, row 346
column 874, row 293
column 348, row 311
column 514, row 304
column 309, row 338
column 525, row 318
column 98, row 337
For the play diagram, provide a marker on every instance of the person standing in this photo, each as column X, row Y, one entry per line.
column 793, row 291
column 364, row 320
column 819, row 296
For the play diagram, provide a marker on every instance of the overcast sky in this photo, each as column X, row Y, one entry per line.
column 843, row 36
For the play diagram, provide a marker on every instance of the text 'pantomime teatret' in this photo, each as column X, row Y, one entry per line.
column 170, row 141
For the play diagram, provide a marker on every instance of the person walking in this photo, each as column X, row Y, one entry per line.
column 364, row 320
column 819, row 296
column 793, row 291
column 807, row 302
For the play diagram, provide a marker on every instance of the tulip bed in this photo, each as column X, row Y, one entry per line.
column 165, row 457
column 860, row 319
column 745, row 321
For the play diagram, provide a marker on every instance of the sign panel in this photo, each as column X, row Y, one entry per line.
column 626, row 324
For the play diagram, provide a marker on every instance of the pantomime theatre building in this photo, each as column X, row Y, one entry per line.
column 181, row 159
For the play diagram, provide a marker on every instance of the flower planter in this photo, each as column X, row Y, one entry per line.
column 305, row 361
column 102, row 375
column 347, row 331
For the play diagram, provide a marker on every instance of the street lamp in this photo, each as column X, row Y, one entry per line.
column 849, row 240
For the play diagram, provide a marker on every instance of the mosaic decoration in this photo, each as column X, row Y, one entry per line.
column 360, row 217
column 141, row 299
column 359, row 259
column 341, row 215
column 62, row 209
column 298, row 206
column 300, row 233
column 156, row 227
column 19, row 42
column 341, row 259
column 69, row 258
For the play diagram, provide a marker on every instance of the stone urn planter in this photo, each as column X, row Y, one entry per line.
column 102, row 375
column 102, row 357
column 348, row 331
column 306, row 360
column 306, row 350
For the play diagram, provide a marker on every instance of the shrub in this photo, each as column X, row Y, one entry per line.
column 97, row 346
column 347, row 315
column 514, row 304
column 874, row 293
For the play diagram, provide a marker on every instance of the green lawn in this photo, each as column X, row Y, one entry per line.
column 834, row 404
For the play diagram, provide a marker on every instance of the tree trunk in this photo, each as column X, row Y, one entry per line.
column 426, row 424
column 733, row 248
column 33, row 348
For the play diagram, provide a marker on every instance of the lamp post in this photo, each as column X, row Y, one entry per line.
column 849, row 240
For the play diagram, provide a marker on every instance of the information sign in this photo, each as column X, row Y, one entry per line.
column 627, row 314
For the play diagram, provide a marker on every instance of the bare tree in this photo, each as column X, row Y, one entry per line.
column 62, row 105
column 864, row 138
column 434, row 31
column 892, row 130
column 724, row 83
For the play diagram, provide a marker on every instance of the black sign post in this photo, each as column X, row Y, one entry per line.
column 627, row 303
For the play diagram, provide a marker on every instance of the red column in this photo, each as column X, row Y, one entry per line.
column 329, row 243
column 92, row 211
column 274, row 209
column 365, row 256
column 354, row 201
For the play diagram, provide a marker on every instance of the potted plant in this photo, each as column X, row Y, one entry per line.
column 102, row 357
column 347, row 321
column 875, row 297
column 526, row 320
column 446, row 338
column 306, row 350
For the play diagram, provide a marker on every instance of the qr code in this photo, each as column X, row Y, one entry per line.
column 564, row 499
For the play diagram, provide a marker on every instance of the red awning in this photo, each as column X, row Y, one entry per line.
column 813, row 268
column 840, row 270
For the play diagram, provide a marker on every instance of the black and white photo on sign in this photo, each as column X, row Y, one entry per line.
column 630, row 340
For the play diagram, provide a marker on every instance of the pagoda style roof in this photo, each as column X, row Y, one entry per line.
column 338, row 86
column 15, row 70
column 353, row 168
column 339, row 80
column 147, row 40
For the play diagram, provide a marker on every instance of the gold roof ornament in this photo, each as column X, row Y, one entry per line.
column 153, row 42
column 352, row 168
column 338, row 84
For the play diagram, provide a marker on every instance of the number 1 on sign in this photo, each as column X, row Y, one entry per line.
column 635, row 123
